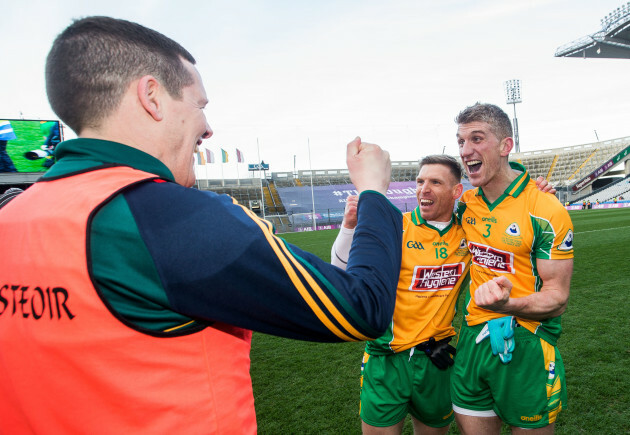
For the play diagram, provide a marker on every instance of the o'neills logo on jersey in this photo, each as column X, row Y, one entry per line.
column 432, row 279
column 34, row 302
column 491, row 258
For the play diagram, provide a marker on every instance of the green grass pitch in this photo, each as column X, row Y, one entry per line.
column 29, row 137
column 302, row 387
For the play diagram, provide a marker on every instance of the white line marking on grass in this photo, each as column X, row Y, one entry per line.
column 605, row 229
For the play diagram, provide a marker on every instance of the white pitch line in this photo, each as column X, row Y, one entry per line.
column 605, row 229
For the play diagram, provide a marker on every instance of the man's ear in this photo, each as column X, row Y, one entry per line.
column 149, row 96
column 506, row 146
column 457, row 190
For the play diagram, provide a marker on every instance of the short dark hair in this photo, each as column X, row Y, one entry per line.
column 442, row 159
column 93, row 60
column 489, row 113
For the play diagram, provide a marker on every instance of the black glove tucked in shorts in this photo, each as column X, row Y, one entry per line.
column 439, row 352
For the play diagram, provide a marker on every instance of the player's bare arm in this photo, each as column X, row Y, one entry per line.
column 340, row 251
column 550, row 301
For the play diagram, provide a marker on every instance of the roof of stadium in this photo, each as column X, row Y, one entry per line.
column 611, row 42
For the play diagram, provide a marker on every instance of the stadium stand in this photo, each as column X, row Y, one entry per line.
column 284, row 179
column 571, row 169
column 620, row 188
column 611, row 41
column 242, row 194
column 248, row 192
column 563, row 167
column 277, row 207
column 404, row 171
column 566, row 166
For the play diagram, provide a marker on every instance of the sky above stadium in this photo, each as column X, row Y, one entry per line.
column 286, row 73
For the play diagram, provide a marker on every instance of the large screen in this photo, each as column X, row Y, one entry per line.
column 27, row 145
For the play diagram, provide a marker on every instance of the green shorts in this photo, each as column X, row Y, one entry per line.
column 397, row 384
column 528, row 392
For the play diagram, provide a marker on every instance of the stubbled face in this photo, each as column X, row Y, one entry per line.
column 187, row 128
column 481, row 152
column 436, row 190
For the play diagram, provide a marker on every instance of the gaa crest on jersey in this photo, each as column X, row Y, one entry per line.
column 567, row 242
column 492, row 258
column 412, row 244
column 436, row 278
column 513, row 230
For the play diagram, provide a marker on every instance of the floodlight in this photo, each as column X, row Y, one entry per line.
column 513, row 91
column 513, row 96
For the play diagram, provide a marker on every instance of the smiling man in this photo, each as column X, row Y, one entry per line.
column 508, row 367
column 127, row 299
column 408, row 369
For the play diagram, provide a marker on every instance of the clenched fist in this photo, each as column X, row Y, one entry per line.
column 494, row 294
column 369, row 166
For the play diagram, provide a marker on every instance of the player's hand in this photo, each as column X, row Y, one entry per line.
column 494, row 294
column 544, row 186
column 350, row 213
column 369, row 166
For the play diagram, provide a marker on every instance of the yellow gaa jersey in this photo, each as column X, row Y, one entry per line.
column 434, row 265
column 507, row 237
